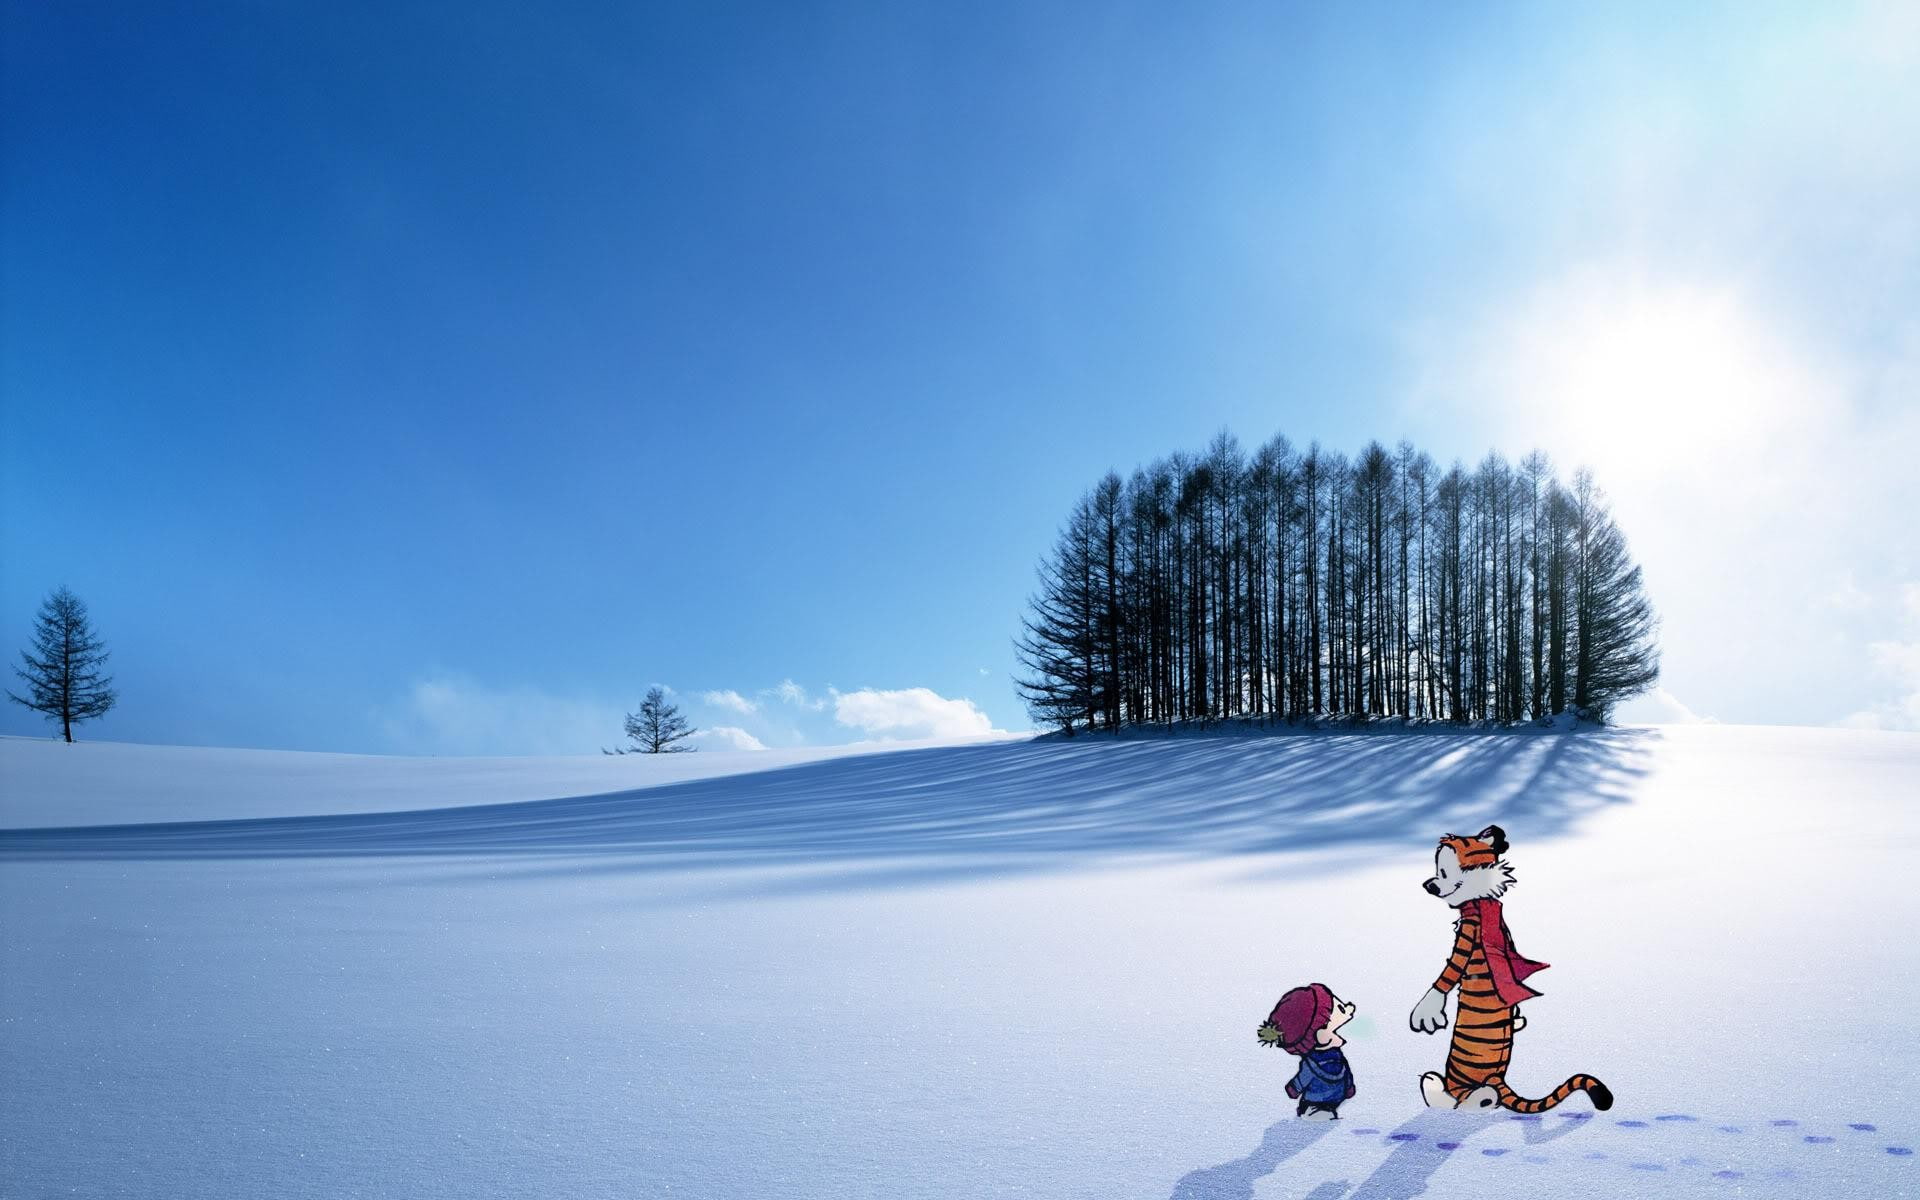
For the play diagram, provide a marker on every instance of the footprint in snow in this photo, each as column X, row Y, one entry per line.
column 1688, row 1161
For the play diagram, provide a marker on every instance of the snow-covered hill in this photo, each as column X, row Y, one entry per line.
column 50, row 782
column 1026, row 968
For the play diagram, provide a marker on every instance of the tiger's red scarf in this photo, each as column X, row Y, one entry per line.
column 1507, row 966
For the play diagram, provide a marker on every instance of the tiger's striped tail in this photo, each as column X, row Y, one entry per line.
column 1596, row 1091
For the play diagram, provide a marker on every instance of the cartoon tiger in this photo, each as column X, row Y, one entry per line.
column 1470, row 874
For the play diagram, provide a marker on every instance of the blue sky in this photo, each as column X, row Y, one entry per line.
column 432, row 381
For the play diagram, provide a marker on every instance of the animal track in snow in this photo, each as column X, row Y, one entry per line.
column 1668, row 1120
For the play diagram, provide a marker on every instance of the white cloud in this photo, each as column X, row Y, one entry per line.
column 909, row 713
column 732, row 701
column 1847, row 596
column 789, row 692
column 1897, row 662
column 454, row 715
column 726, row 737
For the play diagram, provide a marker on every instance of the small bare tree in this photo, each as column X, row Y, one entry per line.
column 62, row 671
column 657, row 728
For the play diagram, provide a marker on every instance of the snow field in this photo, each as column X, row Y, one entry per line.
column 1016, row 970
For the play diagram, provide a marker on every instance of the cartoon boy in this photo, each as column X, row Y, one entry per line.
column 1307, row 1022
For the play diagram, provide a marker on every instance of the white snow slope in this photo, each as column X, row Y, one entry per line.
column 48, row 782
column 1016, row 969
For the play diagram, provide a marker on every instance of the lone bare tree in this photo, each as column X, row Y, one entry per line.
column 657, row 728
column 62, row 671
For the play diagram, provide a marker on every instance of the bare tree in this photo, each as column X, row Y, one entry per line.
column 62, row 671
column 1059, row 644
column 1614, row 622
column 658, row 728
column 1289, row 584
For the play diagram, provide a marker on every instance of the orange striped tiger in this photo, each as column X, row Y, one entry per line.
column 1470, row 875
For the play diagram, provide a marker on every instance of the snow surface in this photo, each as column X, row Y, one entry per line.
column 1018, row 969
column 45, row 781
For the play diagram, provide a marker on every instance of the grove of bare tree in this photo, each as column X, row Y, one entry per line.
column 1295, row 583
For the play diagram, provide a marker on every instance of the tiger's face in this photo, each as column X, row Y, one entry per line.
column 1470, row 868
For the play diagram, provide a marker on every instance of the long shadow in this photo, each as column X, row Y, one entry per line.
column 1234, row 1180
column 1418, row 1152
column 1421, row 1146
column 1431, row 1139
column 1044, row 803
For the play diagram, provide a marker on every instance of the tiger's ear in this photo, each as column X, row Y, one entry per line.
column 1496, row 837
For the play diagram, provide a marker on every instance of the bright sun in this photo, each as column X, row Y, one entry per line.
column 1637, row 380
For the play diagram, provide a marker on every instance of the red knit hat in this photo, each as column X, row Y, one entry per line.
column 1300, row 1014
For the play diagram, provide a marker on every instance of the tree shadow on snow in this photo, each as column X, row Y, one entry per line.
column 978, row 809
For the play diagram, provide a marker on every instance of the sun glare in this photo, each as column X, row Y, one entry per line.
column 1638, row 381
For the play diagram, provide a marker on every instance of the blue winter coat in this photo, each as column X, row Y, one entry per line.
column 1323, row 1078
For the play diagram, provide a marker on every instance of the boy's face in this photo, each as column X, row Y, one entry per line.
column 1329, row 1037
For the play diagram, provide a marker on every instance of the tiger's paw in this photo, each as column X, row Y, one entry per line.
column 1430, row 1014
column 1433, row 1089
column 1480, row 1099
